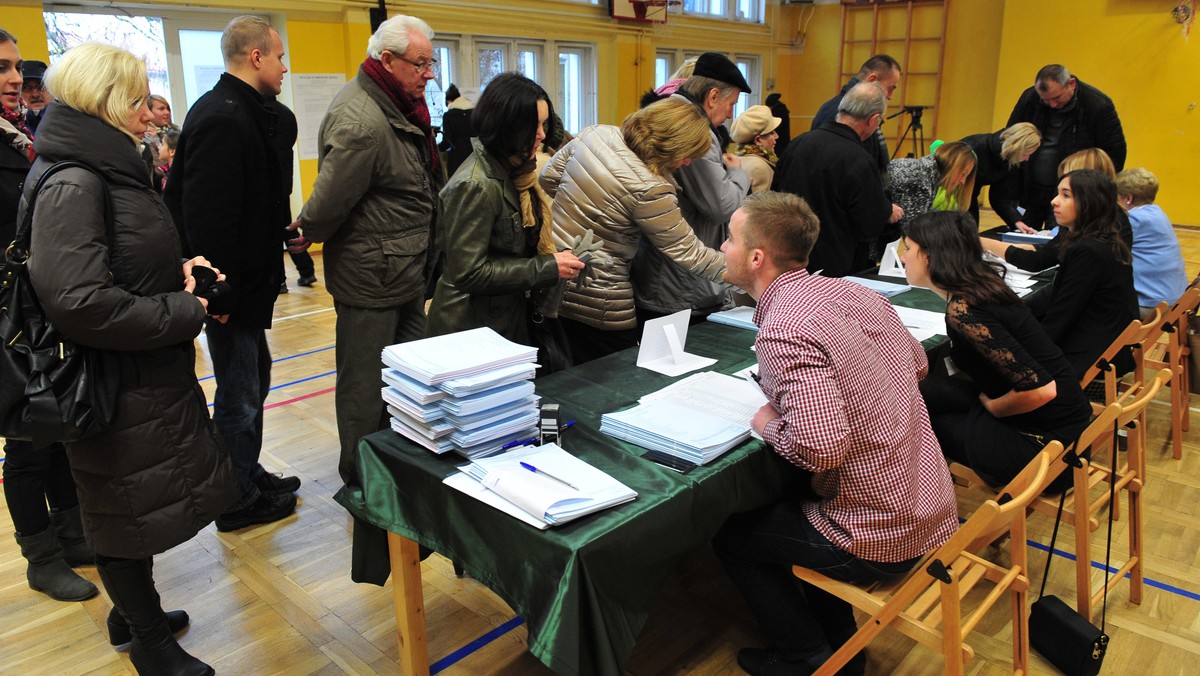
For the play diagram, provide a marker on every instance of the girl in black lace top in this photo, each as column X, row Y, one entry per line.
column 1022, row 392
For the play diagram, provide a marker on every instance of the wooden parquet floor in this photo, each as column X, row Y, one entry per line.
column 277, row 599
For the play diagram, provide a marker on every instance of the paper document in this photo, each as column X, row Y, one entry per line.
column 739, row 317
column 886, row 288
column 686, row 433
column 922, row 324
column 663, row 340
column 431, row 361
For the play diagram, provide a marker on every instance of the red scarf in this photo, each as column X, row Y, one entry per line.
column 17, row 119
column 414, row 110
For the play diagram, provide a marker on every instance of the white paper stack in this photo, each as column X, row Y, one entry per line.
column 541, row 485
column 1020, row 281
column 660, row 425
column 467, row 392
column 888, row 289
column 922, row 324
column 738, row 317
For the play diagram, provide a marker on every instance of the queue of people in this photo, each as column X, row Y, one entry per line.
column 667, row 211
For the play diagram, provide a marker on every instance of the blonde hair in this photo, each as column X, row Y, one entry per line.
column 1140, row 184
column 955, row 159
column 244, row 34
column 667, row 132
column 1017, row 140
column 1088, row 158
column 102, row 81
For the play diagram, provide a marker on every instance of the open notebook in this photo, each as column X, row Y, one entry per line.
column 562, row 489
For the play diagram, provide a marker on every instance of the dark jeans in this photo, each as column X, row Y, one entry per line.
column 802, row 622
column 33, row 478
column 242, row 366
column 362, row 333
column 303, row 262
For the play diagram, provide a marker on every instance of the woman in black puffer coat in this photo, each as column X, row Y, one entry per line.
column 160, row 473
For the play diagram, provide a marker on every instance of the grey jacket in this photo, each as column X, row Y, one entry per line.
column 597, row 182
column 709, row 194
column 373, row 203
column 491, row 258
column 914, row 185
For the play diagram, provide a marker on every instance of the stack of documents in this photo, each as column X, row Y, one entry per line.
column 888, row 289
column 541, row 485
column 1020, row 281
column 467, row 392
column 738, row 317
column 1038, row 238
column 697, row 419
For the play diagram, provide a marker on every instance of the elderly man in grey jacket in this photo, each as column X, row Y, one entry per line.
column 710, row 190
column 373, row 207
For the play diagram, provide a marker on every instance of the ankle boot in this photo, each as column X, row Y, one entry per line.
column 48, row 572
column 118, row 628
column 153, row 650
column 69, row 528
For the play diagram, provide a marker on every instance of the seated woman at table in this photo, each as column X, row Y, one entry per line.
column 492, row 215
column 940, row 181
column 616, row 183
column 1158, row 268
column 997, row 157
column 1037, row 258
column 1022, row 391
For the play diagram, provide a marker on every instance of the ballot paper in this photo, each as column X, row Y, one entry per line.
column 686, row 433
column 738, row 317
column 922, row 324
column 542, row 486
column 886, row 288
column 663, row 340
column 431, row 361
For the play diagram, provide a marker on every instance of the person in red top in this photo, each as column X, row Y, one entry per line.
column 840, row 374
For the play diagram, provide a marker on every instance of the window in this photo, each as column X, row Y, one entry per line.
column 749, row 65
column 731, row 10
column 664, row 65
column 571, row 85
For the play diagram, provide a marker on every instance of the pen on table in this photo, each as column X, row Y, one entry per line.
column 572, row 422
column 535, row 470
column 519, row 442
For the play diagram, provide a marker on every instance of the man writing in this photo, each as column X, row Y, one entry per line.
column 373, row 206
column 840, row 374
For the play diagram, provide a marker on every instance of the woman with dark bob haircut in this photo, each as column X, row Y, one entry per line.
column 1022, row 391
column 494, row 216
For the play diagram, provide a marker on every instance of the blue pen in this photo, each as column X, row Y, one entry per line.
column 569, row 424
column 535, row 470
column 518, row 442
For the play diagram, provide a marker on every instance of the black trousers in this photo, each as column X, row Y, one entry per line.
column 33, row 478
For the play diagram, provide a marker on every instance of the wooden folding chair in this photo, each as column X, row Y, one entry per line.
column 926, row 604
column 1174, row 353
column 1092, row 469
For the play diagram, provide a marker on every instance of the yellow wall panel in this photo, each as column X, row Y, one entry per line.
column 25, row 22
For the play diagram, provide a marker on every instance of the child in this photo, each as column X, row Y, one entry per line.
column 166, row 153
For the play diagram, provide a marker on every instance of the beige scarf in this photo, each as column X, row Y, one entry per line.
column 533, row 197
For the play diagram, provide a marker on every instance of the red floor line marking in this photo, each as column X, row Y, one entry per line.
column 302, row 397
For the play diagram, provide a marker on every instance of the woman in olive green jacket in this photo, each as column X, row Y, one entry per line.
column 492, row 214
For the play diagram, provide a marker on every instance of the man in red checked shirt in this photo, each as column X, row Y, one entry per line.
column 840, row 374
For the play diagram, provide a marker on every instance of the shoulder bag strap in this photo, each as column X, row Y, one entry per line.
column 21, row 243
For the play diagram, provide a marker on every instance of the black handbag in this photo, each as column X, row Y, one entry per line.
column 1067, row 640
column 51, row 389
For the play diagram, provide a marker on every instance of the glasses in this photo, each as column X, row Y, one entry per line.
column 429, row 66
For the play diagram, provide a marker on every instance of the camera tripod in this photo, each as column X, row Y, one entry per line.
column 914, row 126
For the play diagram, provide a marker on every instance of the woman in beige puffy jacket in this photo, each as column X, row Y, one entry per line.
column 617, row 182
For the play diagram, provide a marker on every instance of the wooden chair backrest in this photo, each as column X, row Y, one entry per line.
column 1138, row 336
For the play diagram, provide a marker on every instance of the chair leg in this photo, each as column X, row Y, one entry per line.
column 1083, row 554
column 1177, row 413
column 1135, row 545
column 952, row 639
column 1020, row 630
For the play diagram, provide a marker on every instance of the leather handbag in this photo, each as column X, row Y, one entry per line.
column 51, row 389
column 1066, row 639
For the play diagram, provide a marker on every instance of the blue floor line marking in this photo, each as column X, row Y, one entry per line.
column 1100, row 566
column 294, row 382
column 276, row 361
column 456, row 656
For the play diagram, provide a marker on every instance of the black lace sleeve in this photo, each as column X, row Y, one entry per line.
column 985, row 335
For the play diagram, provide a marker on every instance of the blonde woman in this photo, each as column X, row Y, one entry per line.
column 940, row 181
column 616, row 182
column 997, row 158
column 158, row 475
column 754, row 139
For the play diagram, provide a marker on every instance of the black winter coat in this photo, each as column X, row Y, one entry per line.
column 225, row 193
column 992, row 170
column 830, row 169
column 13, row 167
column 160, row 473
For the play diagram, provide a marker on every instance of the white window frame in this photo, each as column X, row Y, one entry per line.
column 724, row 10
column 754, row 72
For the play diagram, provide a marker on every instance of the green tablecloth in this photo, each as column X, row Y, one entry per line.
column 585, row 588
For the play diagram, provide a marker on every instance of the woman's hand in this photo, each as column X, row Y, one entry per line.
column 189, row 282
column 1021, row 227
column 568, row 265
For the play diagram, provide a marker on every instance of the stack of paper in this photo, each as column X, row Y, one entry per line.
column 467, row 392
column 1038, row 238
column 1020, row 281
column 739, row 317
column 888, row 289
column 922, row 324
column 541, row 485
column 681, row 425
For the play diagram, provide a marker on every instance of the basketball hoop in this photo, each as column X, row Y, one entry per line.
column 641, row 6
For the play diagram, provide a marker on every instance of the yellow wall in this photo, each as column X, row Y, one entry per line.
column 1131, row 50
column 24, row 21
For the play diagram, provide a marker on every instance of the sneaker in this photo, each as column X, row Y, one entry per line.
column 307, row 280
column 267, row 508
column 268, row 482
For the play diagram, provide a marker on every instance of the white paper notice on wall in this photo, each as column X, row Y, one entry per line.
column 663, row 340
column 311, row 94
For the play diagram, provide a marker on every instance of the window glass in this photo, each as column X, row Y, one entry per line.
column 662, row 70
column 570, row 81
column 491, row 64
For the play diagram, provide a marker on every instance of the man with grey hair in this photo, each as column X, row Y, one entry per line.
column 711, row 189
column 1071, row 116
column 373, row 205
column 227, row 198
column 830, row 168
column 884, row 71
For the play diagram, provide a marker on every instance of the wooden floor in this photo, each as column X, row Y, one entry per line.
column 278, row 598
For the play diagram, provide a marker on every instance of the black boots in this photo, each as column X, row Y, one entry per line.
column 118, row 628
column 153, row 650
column 69, row 528
column 48, row 571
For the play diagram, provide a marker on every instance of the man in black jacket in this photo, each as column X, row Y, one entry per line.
column 1071, row 116
column 226, row 195
column 830, row 168
column 884, row 72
